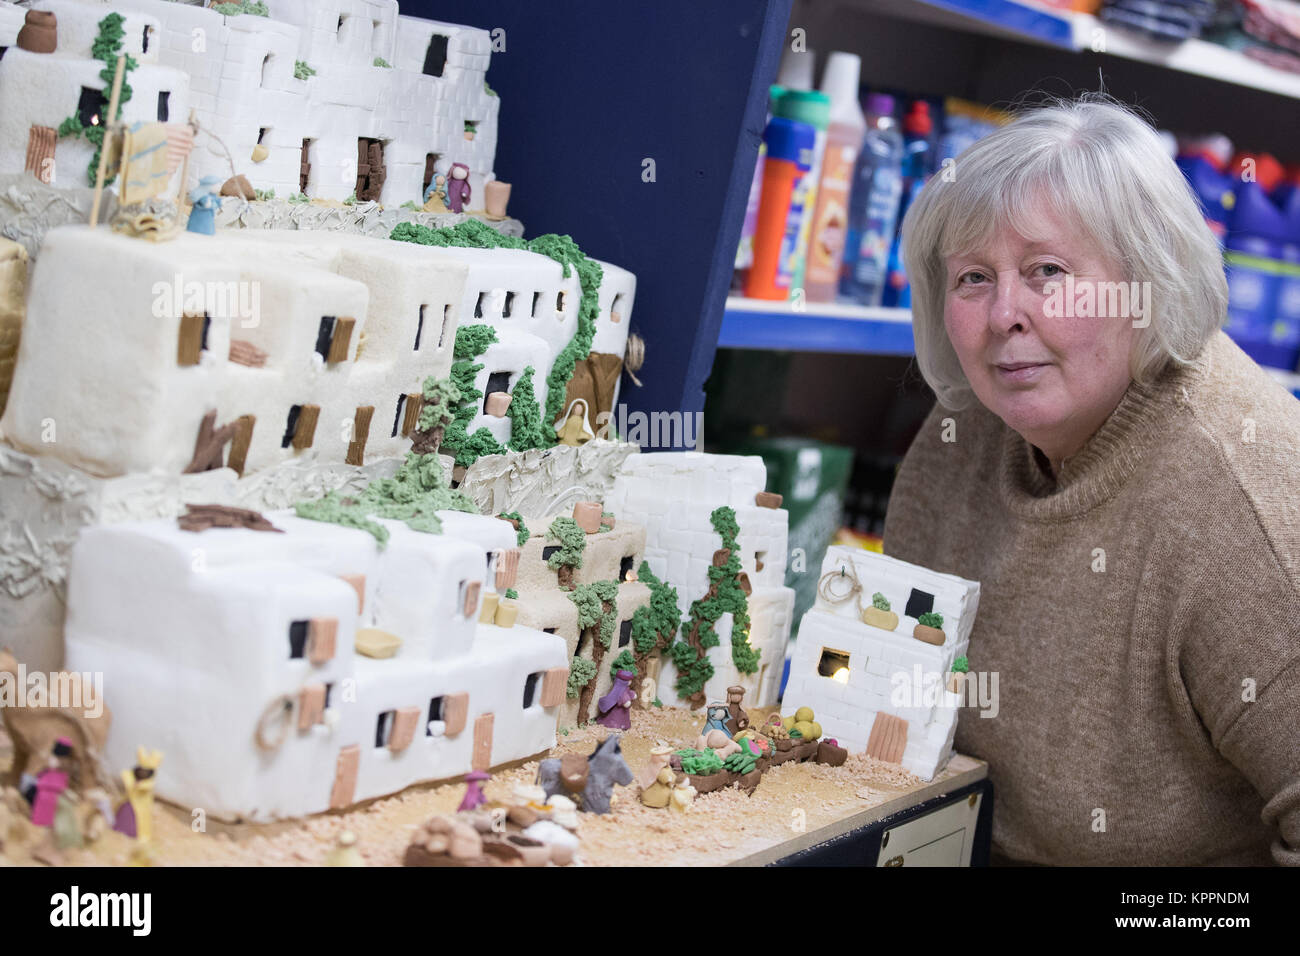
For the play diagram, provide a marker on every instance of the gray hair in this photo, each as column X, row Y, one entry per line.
column 1101, row 167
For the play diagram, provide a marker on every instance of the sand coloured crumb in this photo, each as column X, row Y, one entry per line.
column 720, row 827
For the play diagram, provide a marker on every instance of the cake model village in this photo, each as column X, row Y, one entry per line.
column 335, row 535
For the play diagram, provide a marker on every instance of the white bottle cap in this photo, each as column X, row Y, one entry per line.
column 796, row 71
column 840, row 83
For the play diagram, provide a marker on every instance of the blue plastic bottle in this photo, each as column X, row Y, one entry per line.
column 1263, row 259
column 917, row 168
column 873, row 205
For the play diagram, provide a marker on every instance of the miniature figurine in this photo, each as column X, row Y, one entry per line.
column 659, row 758
column 575, row 430
column 615, row 707
column 203, row 217
column 99, row 818
column 458, row 188
column 737, row 719
column 590, row 781
column 135, row 813
column 716, row 717
column 717, row 741
column 659, row 793
column 563, row 811
column 345, row 852
column 474, row 796
column 67, row 830
column 683, row 795
column 50, row 784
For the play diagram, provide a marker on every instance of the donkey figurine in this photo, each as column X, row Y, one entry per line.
column 587, row 782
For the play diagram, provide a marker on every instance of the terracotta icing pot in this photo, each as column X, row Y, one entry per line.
column 930, row 635
column 40, row 32
column 495, row 196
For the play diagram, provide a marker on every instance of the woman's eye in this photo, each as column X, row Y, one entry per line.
column 1051, row 270
column 971, row 278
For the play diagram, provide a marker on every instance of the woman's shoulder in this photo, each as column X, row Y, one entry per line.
column 1243, row 439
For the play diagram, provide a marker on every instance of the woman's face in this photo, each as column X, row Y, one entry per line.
column 1040, row 360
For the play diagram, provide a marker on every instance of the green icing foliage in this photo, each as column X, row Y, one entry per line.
column 254, row 8
column 694, row 669
column 476, row 235
column 106, row 48
column 700, row 763
column 931, row 619
column 961, row 665
column 572, row 540
column 471, row 341
column 603, row 525
column 624, row 662
column 525, row 415
column 659, row 620
column 581, row 671
column 590, row 600
column 522, row 534
column 511, row 594
column 384, row 64
column 413, row 495
column 657, row 703
column 879, row 602
column 301, row 70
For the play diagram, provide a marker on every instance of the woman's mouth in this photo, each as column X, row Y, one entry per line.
column 1019, row 372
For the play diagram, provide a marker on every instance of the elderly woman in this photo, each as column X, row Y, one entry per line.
column 1125, row 485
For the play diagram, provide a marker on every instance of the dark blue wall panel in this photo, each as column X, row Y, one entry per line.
column 589, row 90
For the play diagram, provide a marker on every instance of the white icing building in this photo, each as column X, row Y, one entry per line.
column 232, row 651
column 382, row 132
column 855, row 675
column 673, row 494
column 316, row 345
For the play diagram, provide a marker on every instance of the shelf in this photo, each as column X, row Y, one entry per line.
column 1063, row 29
column 818, row 327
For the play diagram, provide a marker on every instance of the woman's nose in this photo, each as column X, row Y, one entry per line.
column 1009, row 309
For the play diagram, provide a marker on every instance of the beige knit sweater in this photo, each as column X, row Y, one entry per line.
column 1149, row 713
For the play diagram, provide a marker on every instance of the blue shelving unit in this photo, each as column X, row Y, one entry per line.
column 758, row 324
column 1031, row 23
column 592, row 90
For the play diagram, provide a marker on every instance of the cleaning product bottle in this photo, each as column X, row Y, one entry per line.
column 843, row 142
column 814, row 108
column 873, row 205
column 789, row 158
column 745, row 251
column 1255, row 250
column 917, row 168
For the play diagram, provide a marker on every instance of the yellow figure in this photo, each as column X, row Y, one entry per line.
column 575, row 430
column 135, row 815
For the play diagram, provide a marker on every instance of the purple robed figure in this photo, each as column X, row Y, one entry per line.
column 474, row 795
column 49, row 784
column 615, row 707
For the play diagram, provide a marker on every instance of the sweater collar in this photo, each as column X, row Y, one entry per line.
column 1104, row 464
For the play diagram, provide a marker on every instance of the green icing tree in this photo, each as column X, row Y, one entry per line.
column 476, row 235
column 725, row 595
column 236, row 7
column 931, row 619
column 581, row 671
column 655, row 625
column 879, row 602
column 471, row 342
column 961, row 665
column 521, row 529
column 525, row 415
column 416, row 493
column 573, row 541
column 624, row 662
column 597, row 605
column 106, row 48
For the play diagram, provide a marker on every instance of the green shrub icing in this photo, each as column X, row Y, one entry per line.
column 473, row 234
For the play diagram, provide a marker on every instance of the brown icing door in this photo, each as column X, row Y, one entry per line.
column 370, row 169
column 304, row 167
column 40, row 153
column 345, row 777
column 482, row 758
